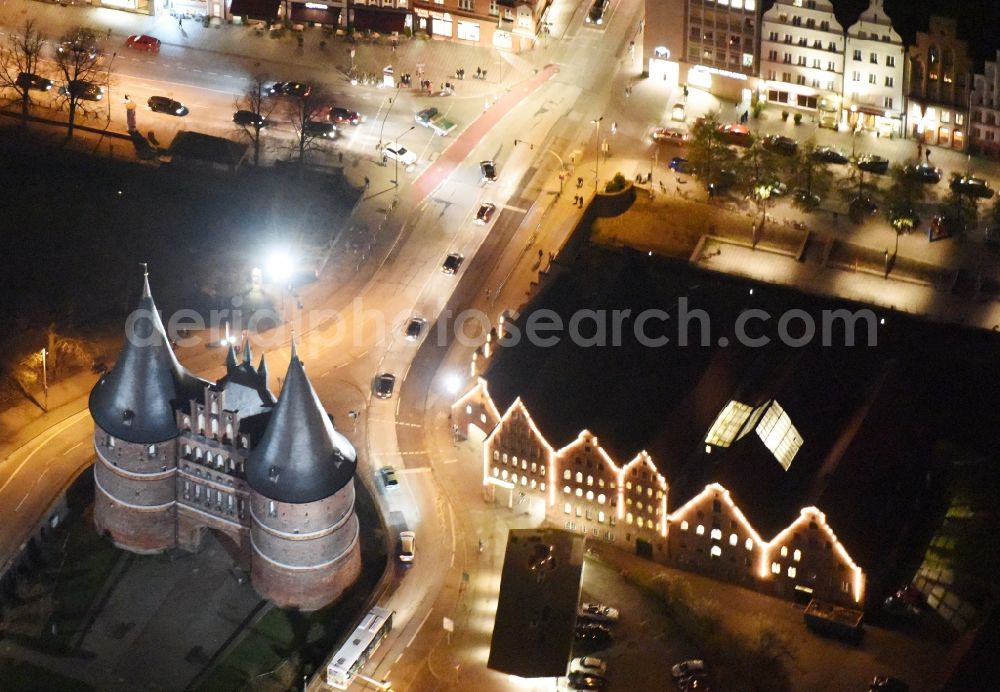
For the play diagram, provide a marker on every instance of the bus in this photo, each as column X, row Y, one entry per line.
column 355, row 652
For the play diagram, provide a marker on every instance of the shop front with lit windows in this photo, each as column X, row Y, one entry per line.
column 941, row 126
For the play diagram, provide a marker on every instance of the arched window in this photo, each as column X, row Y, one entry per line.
column 700, row 530
column 733, row 539
column 590, row 495
column 601, row 499
column 749, row 544
column 590, row 480
column 639, row 521
column 215, row 406
column 684, row 526
column 579, row 492
column 784, row 551
column 797, row 555
column 716, row 551
column 567, row 475
column 111, row 442
column 716, row 535
column 579, row 477
column 215, row 427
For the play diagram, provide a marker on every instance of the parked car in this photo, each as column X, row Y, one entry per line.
column 28, row 80
column 84, row 42
column 82, row 89
column 777, row 188
column 678, row 112
column 407, row 545
column 807, row 199
column 588, row 664
column 976, row 187
column 488, row 171
column 343, row 116
column 669, row 135
column 598, row 612
column 830, row 155
column 384, row 384
column 485, row 213
column 923, row 172
column 162, row 104
column 395, row 152
column 414, row 328
column 687, row 668
column 737, row 134
column 451, row 263
column 143, row 42
column 320, row 128
column 943, row 227
column 299, row 89
column 724, row 180
column 678, row 164
column 779, row 144
column 861, row 207
column 586, row 681
column 870, row 163
column 884, row 683
column 388, row 476
column 597, row 635
column 249, row 119
column 596, row 13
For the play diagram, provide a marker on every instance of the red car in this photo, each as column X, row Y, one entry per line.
column 143, row 42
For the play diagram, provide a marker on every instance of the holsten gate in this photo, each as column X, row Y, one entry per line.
column 178, row 455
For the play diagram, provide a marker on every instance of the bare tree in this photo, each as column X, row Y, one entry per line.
column 254, row 100
column 19, row 58
column 310, row 117
column 78, row 61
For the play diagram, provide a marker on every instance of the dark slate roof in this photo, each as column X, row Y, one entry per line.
column 536, row 610
column 301, row 457
column 136, row 401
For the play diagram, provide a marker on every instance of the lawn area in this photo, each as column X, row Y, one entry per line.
column 24, row 677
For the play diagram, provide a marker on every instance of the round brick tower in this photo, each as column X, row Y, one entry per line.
column 135, row 434
column 303, row 528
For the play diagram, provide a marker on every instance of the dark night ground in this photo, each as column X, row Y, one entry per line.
column 74, row 228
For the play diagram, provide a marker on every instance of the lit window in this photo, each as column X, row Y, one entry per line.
column 566, row 490
column 600, row 499
column 542, row 486
column 600, row 517
column 791, row 572
column 566, row 475
column 639, row 522
column 272, row 507
column 784, row 551
column 514, row 460
column 505, row 457
column 749, row 544
column 628, row 518
column 775, row 568
column 579, row 492
column 496, row 455
column 716, row 551
column 579, row 477
column 628, row 485
column 534, row 483
column 590, row 495
column 496, row 472
column 567, row 508
column 590, row 480
column 524, row 481
column 716, row 535
column 503, row 474
column 151, row 450
column 534, row 467
column 733, row 539
column 700, row 530
column 513, row 478
column 684, row 526
column 797, row 555
column 468, row 408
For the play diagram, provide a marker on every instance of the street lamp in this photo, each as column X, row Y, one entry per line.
column 396, row 181
column 597, row 150
column 392, row 102
column 279, row 268
column 45, row 379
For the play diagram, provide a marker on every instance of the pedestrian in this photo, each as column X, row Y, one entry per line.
column 581, row 201
column 109, row 34
column 367, row 182
column 340, row 157
column 576, row 199
column 928, row 154
column 579, row 183
column 180, row 23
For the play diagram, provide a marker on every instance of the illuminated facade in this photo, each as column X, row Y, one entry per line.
column 939, row 80
column 504, row 24
column 802, row 57
column 721, row 45
column 873, row 74
column 583, row 489
column 986, row 109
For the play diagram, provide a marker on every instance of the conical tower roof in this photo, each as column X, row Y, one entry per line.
column 301, row 457
column 136, row 400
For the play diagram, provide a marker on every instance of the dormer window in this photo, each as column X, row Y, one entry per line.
column 151, row 451
column 273, row 473
column 128, row 415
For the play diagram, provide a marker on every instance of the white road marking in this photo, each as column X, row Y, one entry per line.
column 418, row 630
column 57, row 430
column 71, row 448
column 21, row 502
column 449, row 461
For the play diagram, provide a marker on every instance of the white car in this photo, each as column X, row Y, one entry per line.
column 598, row 612
column 397, row 152
column 588, row 664
column 687, row 668
column 407, row 543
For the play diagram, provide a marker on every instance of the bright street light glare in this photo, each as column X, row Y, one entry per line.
column 452, row 383
column 279, row 267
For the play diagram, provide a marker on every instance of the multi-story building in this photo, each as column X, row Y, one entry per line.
column 939, row 85
column 504, row 24
column 986, row 109
column 874, row 64
column 178, row 456
column 383, row 16
column 802, row 57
